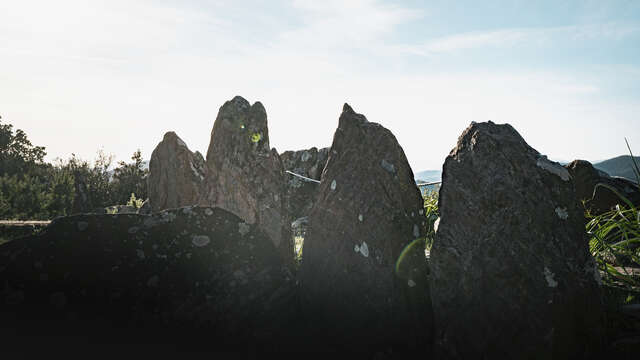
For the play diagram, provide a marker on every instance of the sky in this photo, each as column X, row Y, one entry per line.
column 80, row 76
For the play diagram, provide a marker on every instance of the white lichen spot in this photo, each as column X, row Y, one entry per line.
column 436, row 224
column 562, row 213
column 243, row 228
column 82, row 225
column 549, row 276
column 200, row 240
column 333, row 185
column 133, row 230
column 388, row 166
column 553, row 168
column 196, row 172
column 416, row 231
column 153, row 281
column 360, row 218
column 276, row 197
column 421, row 212
column 140, row 254
column 208, row 212
column 411, row 283
column 364, row 249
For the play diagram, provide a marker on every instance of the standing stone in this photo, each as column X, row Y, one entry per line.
column 244, row 175
column 511, row 276
column 585, row 178
column 300, row 194
column 358, row 287
column 175, row 174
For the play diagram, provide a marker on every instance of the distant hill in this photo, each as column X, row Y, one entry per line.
column 428, row 176
column 619, row 166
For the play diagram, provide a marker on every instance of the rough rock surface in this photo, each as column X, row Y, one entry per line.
column 145, row 209
column 300, row 193
column 175, row 174
column 244, row 175
column 368, row 211
column 121, row 209
column 190, row 272
column 511, row 276
column 585, row 177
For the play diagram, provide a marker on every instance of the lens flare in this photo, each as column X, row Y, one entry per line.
column 412, row 252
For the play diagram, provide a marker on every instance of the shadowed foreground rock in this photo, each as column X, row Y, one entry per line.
column 244, row 175
column 195, row 276
column 511, row 277
column 585, row 177
column 175, row 174
column 368, row 210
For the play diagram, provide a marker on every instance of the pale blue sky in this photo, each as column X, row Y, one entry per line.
column 82, row 75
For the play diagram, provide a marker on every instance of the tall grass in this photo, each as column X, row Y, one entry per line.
column 615, row 241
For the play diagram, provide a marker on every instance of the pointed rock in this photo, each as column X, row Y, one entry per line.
column 363, row 273
column 511, row 275
column 175, row 174
column 245, row 176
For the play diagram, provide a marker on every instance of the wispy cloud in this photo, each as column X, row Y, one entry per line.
column 503, row 38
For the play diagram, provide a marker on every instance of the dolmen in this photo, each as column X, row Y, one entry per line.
column 511, row 274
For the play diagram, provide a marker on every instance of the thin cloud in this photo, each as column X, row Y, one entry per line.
column 504, row 38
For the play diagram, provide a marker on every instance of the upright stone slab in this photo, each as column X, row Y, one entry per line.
column 175, row 174
column 244, row 175
column 300, row 193
column 358, row 288
column 511, row 276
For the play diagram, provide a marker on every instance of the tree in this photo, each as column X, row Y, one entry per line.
column 17, row 154
column 130, row 178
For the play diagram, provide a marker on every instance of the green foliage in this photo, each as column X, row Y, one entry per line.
column 17, row 154
column 432, row 214
column 615, row 244
column 25, row 196
column 130, row 178
column 32, row 189
column 136, row 203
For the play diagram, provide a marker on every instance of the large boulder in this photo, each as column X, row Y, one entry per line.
column 511, row 275
column 586, row 177
column 194, row 273
column 175, row 174
column 300, row 193
column 363, row 273
column 244, row 175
